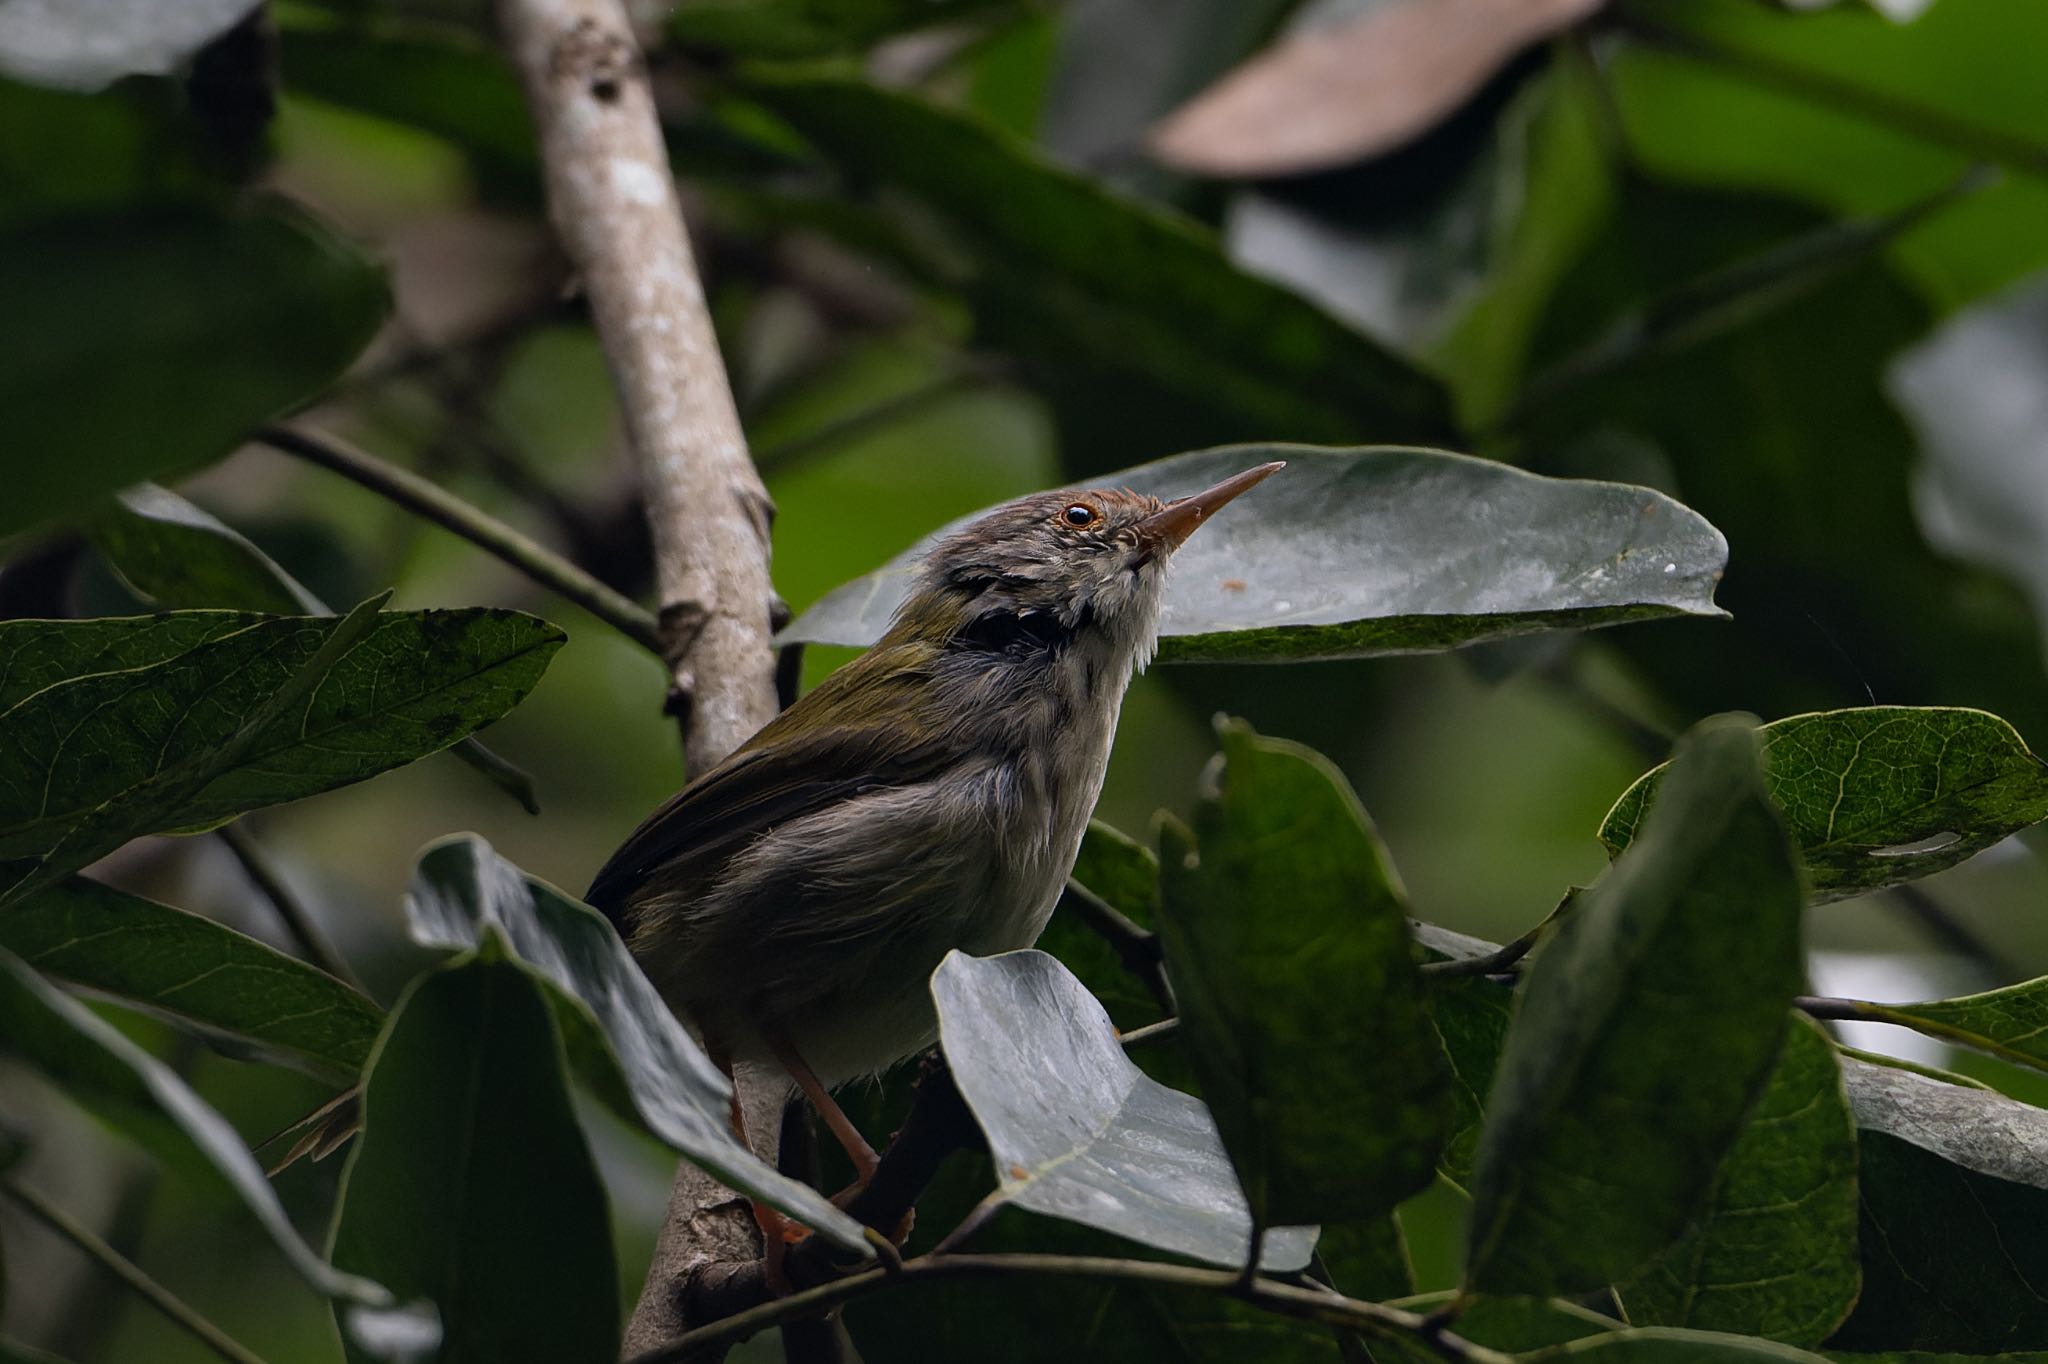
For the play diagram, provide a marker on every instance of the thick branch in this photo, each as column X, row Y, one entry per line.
column 615, row 209
column 616, row 213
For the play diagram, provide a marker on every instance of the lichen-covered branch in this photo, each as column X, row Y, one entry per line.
column 615, row 210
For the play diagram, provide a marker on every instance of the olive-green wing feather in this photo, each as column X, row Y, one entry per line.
column 849, row 736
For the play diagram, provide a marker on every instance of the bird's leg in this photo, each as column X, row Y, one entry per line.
column 776, row 1230
column 850, row 1140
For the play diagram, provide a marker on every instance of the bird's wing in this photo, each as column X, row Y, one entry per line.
column 789, row 769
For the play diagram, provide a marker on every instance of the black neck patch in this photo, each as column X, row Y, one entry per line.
column 1019, row 634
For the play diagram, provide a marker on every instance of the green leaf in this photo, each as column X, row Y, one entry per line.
column 174, row 554
column 194, row 970
column 1105, row 297
column 462, row 890
column 1287, row 941
column 1670, row 1345
column 119, row 727
column 140, row 344
column 1647, row 1025
column 1774, row 1254
column 814, row 28
column 1368, row 1259
column 471, row 1185
column 2011, row 1023
column 1438, row 550
column 1079, row 1132
column 1880, row 795
column 93, row 1062
column 1126, row 875
column 1954, row 1225
column 1471, row 1017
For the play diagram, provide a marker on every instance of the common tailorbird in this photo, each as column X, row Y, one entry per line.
column 792, row 903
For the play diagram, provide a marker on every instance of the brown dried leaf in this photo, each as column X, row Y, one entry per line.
column 1341, row 93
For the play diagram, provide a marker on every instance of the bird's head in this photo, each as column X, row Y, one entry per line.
column 1038, row 571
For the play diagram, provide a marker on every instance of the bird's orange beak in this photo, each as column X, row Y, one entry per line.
column 1166, row 529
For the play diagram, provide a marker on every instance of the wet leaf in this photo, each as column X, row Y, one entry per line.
column 1079, row 1132
column 1880, row 795
column 1439, row 550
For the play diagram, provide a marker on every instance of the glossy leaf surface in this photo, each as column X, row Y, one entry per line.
column 1076, row 1129
column 1437, row 550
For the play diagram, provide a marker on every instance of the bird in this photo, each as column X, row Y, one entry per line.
column 791, row 903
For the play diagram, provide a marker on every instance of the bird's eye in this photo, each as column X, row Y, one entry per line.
column 1080, row 514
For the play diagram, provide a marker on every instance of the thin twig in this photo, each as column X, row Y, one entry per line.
column 427, row 499
column 297, row 920
column 1504, row 958
column 1311, row 1304
column 129, row 1273
column 1136, row 947
column 1139, row 1036
column 783, row 455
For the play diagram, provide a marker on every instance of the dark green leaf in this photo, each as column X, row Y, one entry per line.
column 1671, row 1345
column 1774, row 1254
column 193, row 969
column 177, row 555
column 462, row 888
column 471, row 1185
column 1367, row 1260
column 87, row 43
column 1077, row 1130
column 1954, row 1229
column 93, row 1062
column 1647, row 1025
column 174, row 554
column 114, row 728
column 1104, row 296
column 1884, row 794
column 224, row 323
column 1438, row 550
column 2011, row 1023
column 1286, row 937
column 1126, row 875
column 806, row 28
column 1471, row 1016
